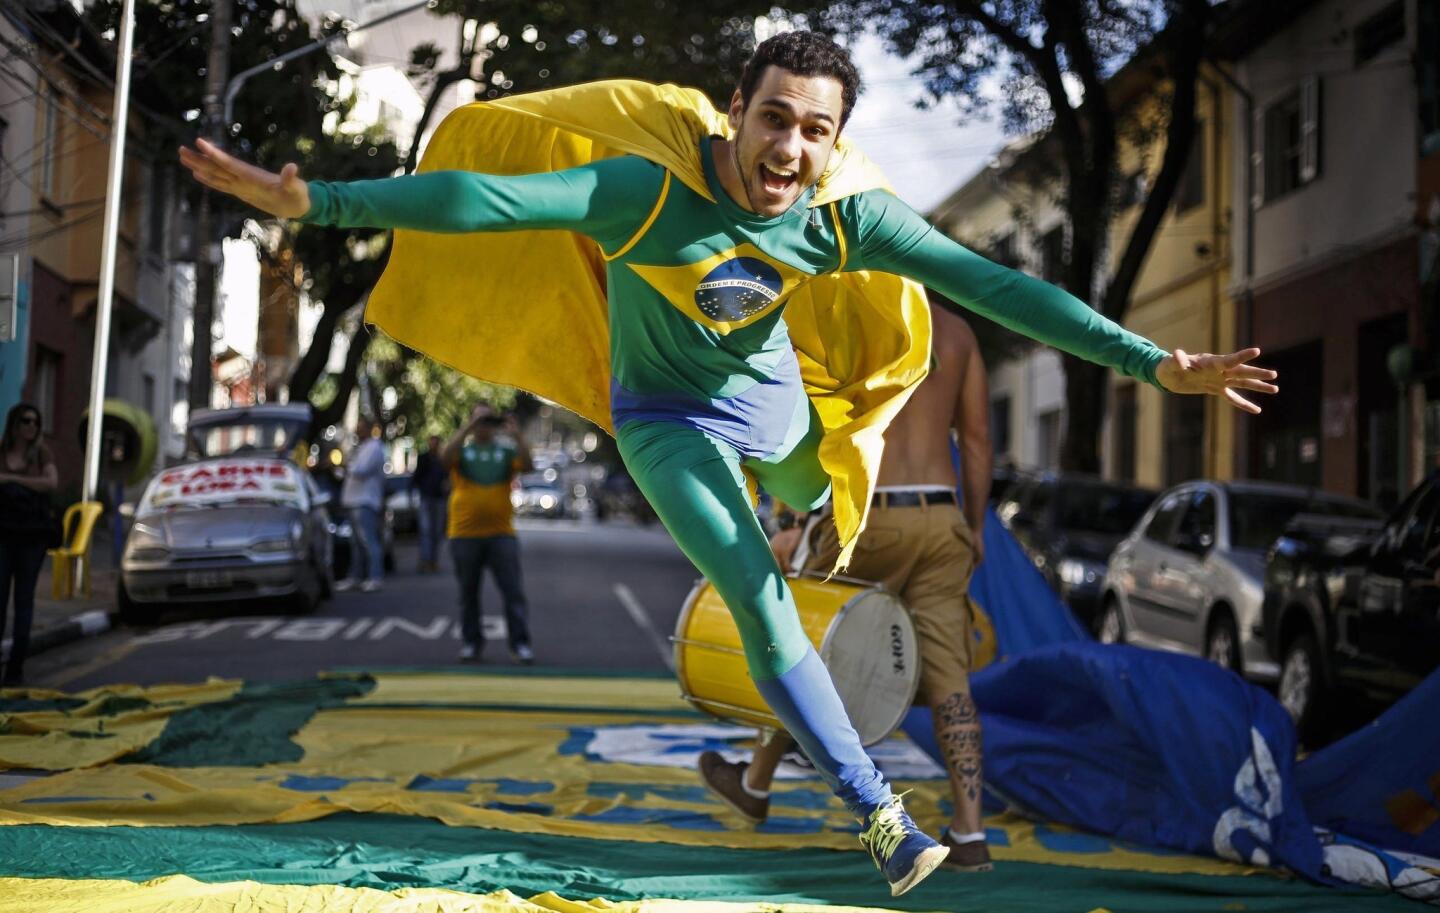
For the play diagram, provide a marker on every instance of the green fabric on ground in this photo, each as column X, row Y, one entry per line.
column 389, row 852
column 250, row 729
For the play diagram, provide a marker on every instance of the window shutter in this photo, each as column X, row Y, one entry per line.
column 1310, row 129
column 1258, row 139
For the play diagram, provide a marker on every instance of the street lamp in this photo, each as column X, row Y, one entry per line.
column 232, row 88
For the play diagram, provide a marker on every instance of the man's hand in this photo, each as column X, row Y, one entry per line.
column 480, row 413
column 1220, row 375
column 784, row 543
column 283, row 194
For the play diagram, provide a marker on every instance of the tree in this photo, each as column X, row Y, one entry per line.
column 280, row 117
column 516, row 46
column 1040, row 50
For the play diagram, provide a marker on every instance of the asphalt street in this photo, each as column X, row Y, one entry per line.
column 602, row 596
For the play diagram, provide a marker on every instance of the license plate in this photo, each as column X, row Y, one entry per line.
column 208, row 580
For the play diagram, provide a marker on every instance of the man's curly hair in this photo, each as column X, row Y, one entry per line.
column 804, row 54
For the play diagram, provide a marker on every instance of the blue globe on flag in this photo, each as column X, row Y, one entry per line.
column 738, row 289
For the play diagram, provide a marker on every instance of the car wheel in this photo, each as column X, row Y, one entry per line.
column 309, row 594
column 1112, row 624
column 1299, row 689
column 130, row 611
column 1222, row 642
column 325, row 572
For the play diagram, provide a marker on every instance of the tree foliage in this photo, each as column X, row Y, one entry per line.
column 510, row 47
column 280, row 116
column 1056, row 64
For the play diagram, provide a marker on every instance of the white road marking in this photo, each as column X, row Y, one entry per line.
column 93, row 622
column 642, row 620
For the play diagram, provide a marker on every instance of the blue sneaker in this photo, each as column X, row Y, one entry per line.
column 900, row 849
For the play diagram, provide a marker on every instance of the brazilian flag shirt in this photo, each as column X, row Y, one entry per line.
column 697, row 286
column 480, row 491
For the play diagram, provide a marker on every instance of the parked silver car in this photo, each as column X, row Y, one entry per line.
column 237, row 527
column 1190, row 576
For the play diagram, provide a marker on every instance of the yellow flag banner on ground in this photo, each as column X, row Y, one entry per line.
column 579, row 757
column 478, row 791
column 166, row 895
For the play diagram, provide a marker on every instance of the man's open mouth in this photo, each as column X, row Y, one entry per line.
column 777, row 180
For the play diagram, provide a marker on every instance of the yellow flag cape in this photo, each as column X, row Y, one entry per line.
column 527, row 309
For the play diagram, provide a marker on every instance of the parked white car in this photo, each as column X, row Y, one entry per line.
column 1190, row 576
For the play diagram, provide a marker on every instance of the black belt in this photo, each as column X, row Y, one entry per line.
column 912, row 498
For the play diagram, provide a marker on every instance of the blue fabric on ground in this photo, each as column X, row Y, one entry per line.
column 1025, row 612
column 1154, row 748
column 1382, row 783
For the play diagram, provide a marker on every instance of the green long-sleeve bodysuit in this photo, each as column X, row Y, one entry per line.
column 703, row 376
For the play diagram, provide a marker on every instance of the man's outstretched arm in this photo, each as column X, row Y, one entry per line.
column 896, row 239
column 606, row 200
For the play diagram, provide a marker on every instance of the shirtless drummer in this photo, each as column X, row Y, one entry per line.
column 922, row 547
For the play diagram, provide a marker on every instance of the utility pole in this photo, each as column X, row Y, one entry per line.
column 207, row 259
column 114, row 185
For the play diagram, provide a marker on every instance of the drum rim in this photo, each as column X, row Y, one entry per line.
column 866, row 588
column 871, row 587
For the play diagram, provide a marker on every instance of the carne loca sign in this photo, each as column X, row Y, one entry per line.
column 221, row 480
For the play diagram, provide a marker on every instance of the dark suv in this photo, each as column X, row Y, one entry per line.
column 1069, row 524
column 1352, row 609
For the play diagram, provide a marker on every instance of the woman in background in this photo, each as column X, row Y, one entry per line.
column 27, row 477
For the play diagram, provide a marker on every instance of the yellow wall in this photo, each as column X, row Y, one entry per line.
column 1180, row 299
column 81, row 164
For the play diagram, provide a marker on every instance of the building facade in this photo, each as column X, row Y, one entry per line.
column 56, row 150
column 1328, row 246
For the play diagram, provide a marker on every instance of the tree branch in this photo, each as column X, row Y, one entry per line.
column 1187, row 35
column 349, row 377
column 1002, row 31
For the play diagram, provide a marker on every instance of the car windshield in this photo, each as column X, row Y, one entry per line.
column 223, row 483
column 1100, row 508
column 258, row 437
column 1257, row 520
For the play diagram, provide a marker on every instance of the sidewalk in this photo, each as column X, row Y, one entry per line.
column 59, row 622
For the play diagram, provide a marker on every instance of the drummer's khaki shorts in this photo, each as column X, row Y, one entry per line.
column 925, row 555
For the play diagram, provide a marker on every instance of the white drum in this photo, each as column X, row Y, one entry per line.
column 862, row 632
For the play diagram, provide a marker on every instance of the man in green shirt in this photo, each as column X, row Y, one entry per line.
column 705, row 387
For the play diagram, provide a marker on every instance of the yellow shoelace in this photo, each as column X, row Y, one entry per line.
column 886, row 828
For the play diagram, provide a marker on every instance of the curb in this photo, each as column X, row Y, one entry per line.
column 85, row 624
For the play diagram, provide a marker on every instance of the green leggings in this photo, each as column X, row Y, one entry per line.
column 696, row 486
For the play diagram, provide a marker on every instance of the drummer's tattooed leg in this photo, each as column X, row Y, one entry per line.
column 957, row 728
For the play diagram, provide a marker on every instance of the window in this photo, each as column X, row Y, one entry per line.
column 1048, row 434
column 1122, row 432
column 1196, row 529
column 147, row 395
column 1052, row 254
column 1000, row 425
column 1184, row 438
column 49, row 142
column 179, row 407
column 1131, row 190
column 1379, row 32
column 1002, row 251
column 45, row 386
column 1191, row 190
column 1288, row 132
column 1427, row 76
column 4, row 172
column 1162, row 522
column 158, row 199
